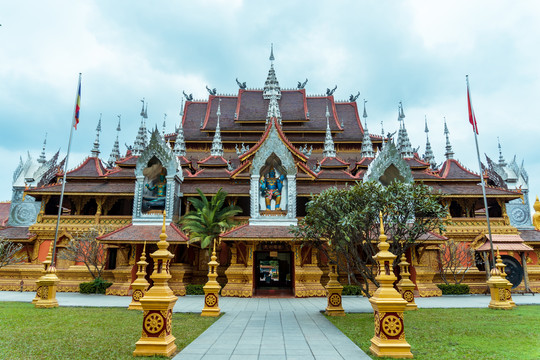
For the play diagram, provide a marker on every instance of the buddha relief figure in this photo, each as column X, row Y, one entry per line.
column 271, row 187
column 156, row 183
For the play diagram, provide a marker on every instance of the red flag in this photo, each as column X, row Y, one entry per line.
column 77, row 105
column 472, row 118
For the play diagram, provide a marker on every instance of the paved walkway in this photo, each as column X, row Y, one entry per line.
column 270, row 328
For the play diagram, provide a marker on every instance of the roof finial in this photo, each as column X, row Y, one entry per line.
column 502, row 162
column 95, row 150
column 141, row 139
column 449, row 154
column 217, row 146
column 428, row 156
column 42, row 158
column 164, row 124
column 403, row 143
column 115, row 153
column 273, row 108
column 367, row 146
column 271, row 85
column 329, row 150
column 179, row 143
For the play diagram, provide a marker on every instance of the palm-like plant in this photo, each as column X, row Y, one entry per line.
column 208, row 219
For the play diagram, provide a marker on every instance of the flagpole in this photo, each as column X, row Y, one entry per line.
column 53, row 260
column 481, row 174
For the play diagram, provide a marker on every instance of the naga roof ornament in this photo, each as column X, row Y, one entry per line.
column 367, row 146
column 217, row 146
column 95, row 150
column 449, row 154
column 329, row 150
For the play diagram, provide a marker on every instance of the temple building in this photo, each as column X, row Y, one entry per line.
column 271, row 149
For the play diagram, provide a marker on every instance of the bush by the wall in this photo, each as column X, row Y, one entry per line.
column 351, row 290
column 194, row 289
column 454, row 289
column 97, row 286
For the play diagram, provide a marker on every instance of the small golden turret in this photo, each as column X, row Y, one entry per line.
column 499, row 287
column 405, row 285
column 212, row 288
column 139, row 285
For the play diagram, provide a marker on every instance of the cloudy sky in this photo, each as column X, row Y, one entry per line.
column 417, row 52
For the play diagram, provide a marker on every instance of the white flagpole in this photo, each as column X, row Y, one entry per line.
column 53, row 260
column 481, row 174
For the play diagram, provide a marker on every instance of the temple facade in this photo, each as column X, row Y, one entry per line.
column 271, row 149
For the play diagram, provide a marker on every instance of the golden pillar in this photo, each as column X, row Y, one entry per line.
column 388, row 307
column 157, row 305
column 405, row 285
column 47, row 285
column 211, row 289
column 140, row 284
column 333, row 294
column 499, row 287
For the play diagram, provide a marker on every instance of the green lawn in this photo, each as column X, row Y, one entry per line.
column 455, row 334
column 81, row 333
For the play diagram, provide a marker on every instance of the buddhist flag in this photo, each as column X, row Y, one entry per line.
column 77, row 105
column 472, row 118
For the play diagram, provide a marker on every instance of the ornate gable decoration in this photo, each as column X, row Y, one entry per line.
column 273, row 144
column 387, row 166
column 159, row 148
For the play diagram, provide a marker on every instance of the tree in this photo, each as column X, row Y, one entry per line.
column 344, row 223
column 8, row 251
column 455, row 259
column 208, row 219
column 85, row 248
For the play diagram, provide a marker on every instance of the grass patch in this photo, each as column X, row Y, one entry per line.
column 453, row 334
column 82, row 332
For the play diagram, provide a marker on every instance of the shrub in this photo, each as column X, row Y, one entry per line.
column 97, row 286
column 351, row 290
column 194, row 289
column 454, row 289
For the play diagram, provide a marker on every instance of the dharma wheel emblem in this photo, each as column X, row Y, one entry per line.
column 335, row 300
column 137, row 295
column 391, row 325
column 408, row 295
column 210, row 300
column 153, row 323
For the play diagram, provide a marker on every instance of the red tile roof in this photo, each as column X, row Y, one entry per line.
column 105, row 187
column 333, row 162
column 213, row 161
column 90, row 167
column 251, row 232
column 4, row 213
column 452, row 169
column 141, row 233
column 505, row 243
column 16, row 233
column 530, row 235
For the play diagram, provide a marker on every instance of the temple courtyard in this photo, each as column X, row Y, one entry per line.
column 292, row 328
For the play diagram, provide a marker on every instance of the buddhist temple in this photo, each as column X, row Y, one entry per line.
column 271, row 149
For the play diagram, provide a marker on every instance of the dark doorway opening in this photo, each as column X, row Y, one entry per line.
column 273, row 273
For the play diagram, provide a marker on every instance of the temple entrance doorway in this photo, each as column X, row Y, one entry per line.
column 273, row 273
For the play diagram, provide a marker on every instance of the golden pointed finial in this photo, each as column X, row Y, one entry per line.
column 163, row 235
column 381, row 221
column 144, row 247
column 498, row 252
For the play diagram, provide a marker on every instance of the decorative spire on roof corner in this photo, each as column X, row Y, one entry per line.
column 141, row 139
column 329, row 150
column 95, row 151
column 42, row 158
column 115, row 153
column 217, row 146
column 428, row 156
column 367, row 146
column 164, row 125
column 180, row 143
column 271, row 85
column 502, row 162
column 273, row 109
column 449, row 154
column 403, row 143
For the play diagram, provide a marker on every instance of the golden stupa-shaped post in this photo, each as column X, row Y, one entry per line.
column 47, row 285
column 388, row 307
column 212, row 287
column 499, row 287
column 139, row 285
column 157, row 305
column 405, row 285
column 333, row 293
